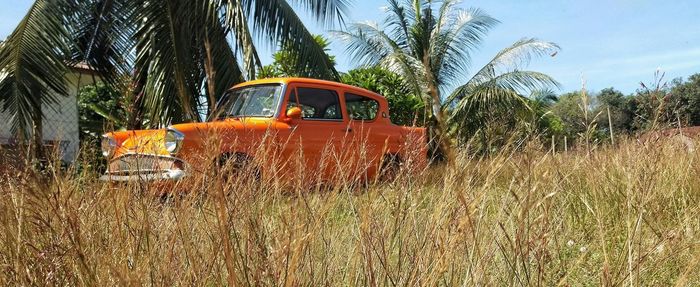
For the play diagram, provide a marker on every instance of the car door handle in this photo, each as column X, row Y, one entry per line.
column 348, row 130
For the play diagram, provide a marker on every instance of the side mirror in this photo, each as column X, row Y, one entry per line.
column 294, row 113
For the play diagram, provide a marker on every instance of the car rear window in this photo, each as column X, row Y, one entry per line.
column 361, row 108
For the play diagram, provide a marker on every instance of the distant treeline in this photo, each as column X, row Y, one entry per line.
column 657, row 105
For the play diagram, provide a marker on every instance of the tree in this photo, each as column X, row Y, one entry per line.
column 569, row 109
column 286, row 63
column 656, row 107
column 689, row 92
column 406, row 107
column 429, row 45
column 173, row 50
column 619, row 106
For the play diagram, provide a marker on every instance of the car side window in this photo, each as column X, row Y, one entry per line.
column 361, row 108
column 316, row 104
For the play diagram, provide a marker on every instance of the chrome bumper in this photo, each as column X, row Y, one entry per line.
column 175, row 174
column 144, row 167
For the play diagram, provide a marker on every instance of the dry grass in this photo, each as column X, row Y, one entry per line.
column 625, row 215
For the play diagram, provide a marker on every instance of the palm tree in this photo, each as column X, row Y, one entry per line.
column 179, row 55
column 431, row 45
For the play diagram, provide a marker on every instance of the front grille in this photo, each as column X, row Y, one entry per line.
column 141, row 164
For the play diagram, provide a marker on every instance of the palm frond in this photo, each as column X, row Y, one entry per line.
column 102, row 36
column 279, row 23
column 458, row 34
column 478, row 102
column 544, row 97
column 470, row 114
column 365, row 44
column 168, row 54
column 368, row 45
column 492, row 90
column 33, row 64
column 398, row 20
column 408, row 67
column 326, row 12
column 237, row 21
column 508, row 61
column 517, row 55
column 420, row 32
column 221, row 65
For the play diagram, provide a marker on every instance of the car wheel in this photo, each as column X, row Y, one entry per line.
column 389, row 168
column 232, row 165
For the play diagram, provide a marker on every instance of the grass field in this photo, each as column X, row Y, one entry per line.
column 627, row 215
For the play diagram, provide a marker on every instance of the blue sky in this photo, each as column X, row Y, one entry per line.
column 614, row 43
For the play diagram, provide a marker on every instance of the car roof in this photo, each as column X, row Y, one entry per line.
column 289, row 80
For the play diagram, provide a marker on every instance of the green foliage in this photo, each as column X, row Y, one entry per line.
column 100, row 108
column 581, row 118
column 689, row 93
column 656, row 107
column 545, row 122
column 286, row 63
column 568, row 109
column 406, row 107
column 621, row 113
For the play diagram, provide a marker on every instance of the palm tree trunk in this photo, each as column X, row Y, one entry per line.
column 135, row 115
column 210, row 71
column 37, row 137
column 442, row 148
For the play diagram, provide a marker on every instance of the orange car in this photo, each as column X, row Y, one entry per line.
column 327, row 128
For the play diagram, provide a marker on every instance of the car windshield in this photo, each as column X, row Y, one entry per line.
column 251, row 101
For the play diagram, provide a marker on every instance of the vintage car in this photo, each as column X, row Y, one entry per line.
column 328, row 129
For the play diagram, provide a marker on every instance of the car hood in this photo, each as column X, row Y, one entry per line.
column 139, row 142
column 151, row 141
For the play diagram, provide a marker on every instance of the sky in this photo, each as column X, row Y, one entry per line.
column 614, row 43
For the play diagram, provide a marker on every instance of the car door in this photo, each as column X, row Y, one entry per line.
column 368, row 137
column 314, row 141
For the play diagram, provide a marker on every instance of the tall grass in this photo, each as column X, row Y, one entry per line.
column 624, row 215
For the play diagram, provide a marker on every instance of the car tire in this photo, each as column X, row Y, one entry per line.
column 236, row 164
column 390, row 167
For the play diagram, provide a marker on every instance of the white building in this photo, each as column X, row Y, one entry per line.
column 60, row 124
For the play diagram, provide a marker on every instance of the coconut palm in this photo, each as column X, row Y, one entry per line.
column 430, row 45
column 179, row 55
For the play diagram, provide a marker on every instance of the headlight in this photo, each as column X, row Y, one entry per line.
column 173, row 140
column 109, row 144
